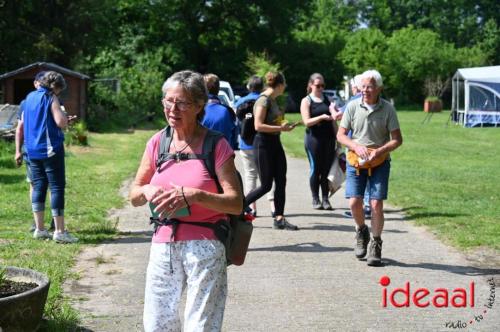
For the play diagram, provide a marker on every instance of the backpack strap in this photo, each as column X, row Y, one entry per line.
column 208, row 154
column 163, row 147
column 221, row 229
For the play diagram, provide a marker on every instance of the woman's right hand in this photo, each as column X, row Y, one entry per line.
column 287, row 126
column 326, row 117
column 19, row 159
column 150, row 191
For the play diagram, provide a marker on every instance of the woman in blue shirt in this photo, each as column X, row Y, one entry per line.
column 44, row 139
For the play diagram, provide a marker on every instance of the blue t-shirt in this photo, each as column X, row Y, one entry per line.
column 42, row 137
column 248, row 97
column 219, row 118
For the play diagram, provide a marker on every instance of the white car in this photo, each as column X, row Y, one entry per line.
column 334, row 97
column 226, row 87
column 224, row 98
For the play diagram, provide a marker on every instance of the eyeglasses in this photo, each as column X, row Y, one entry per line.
column 319, row 86
column 181, row 105
column 370, row 87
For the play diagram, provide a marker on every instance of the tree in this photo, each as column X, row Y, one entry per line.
column 364, row 49
column 412, row 56
column 317, row 39
column 490, row 42
column 460, row 22
column 57, row 31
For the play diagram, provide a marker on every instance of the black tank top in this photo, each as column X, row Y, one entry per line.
column 323, row 128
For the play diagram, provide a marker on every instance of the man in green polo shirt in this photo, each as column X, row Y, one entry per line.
column 374, row 125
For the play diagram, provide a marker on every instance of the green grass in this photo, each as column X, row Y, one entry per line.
column 443, row 177
column 94, row 174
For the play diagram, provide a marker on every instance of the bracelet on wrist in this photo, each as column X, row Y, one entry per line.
column 184, row 197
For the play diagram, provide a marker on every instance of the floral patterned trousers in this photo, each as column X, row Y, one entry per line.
column 200, row 267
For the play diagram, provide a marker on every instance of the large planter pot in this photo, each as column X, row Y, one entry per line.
column 433, row 106
column 23, row 312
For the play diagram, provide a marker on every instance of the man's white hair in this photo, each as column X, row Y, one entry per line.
column 356, row 81
column 373, row 74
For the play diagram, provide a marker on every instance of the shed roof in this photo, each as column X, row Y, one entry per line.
column 45, row 65
column 486, row 74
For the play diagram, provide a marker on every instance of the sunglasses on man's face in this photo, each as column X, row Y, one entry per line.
column 319, row 86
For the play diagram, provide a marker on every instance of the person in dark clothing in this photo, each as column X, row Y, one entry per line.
column 269, row 154
column 250, row 173
column 319, row 139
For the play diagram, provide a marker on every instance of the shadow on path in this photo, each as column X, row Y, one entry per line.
column 330, row 215
column 462, row 270
column 134, row 237
column 343, row 228
column 320, row 214
column 303, row 247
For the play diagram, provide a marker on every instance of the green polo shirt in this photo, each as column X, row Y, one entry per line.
column 370, row 128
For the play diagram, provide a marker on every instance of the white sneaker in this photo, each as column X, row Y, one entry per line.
column 64, row 237
column 41, row 234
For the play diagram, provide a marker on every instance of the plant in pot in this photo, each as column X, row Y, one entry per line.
column 434, row 89
column 433, row 104
column 23, row 293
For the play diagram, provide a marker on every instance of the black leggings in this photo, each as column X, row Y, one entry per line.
column 271, row 165
column 320, row 152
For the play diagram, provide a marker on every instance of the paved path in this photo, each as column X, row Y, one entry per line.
column 299, row 281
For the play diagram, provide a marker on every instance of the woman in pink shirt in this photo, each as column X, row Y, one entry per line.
column 189, row 256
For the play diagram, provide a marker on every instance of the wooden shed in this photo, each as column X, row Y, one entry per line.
column 15, row 85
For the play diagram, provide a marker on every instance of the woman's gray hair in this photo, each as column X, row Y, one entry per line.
column 193, row 84
column 373, row 74
column 52, row 80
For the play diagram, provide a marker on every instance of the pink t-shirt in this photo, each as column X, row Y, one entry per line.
column 188, row 173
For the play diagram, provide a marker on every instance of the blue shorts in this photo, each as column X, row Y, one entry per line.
column 378, row 184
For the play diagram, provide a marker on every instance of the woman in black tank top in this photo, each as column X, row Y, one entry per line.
column 319, row 139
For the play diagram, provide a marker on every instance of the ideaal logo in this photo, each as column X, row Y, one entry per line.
column 439, row 298
column 423, row 297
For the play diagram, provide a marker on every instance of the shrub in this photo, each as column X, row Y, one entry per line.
column 77, row 134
